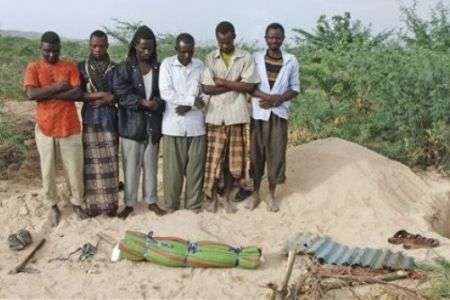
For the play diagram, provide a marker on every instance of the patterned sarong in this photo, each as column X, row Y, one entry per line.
column 227, row 144
column 101, row 169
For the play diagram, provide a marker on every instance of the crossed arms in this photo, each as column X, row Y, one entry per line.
column 223, row 86
column 60, row 90
column 269, row 100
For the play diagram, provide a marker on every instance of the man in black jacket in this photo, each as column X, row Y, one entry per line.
column 140, row 114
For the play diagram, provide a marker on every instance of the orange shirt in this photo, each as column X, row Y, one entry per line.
column 54, row 117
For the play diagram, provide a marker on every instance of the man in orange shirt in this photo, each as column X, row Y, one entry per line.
column 54, row 84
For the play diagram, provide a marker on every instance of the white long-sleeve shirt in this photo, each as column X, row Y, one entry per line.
column 287, row 79
column 180, row 85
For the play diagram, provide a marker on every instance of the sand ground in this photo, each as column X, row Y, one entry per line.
column 334, row 187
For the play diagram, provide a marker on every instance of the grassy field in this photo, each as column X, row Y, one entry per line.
column 388, row 91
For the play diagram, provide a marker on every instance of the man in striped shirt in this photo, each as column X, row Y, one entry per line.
column 279, row 73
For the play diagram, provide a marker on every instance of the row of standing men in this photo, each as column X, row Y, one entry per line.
column 220, row 122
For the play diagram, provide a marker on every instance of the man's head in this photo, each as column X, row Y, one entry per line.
column 225, row 35
column 143, row 45
column 184, row 46
column 50, row 47
column 274, row 36
column 98, row 44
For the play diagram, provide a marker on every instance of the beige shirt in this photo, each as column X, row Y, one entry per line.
column 231, row 107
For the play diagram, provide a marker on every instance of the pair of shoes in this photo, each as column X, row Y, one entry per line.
column 125, row 212
column 412, row 241
column 156, row 209
column 20, row 240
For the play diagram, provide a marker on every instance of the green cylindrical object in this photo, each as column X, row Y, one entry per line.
column 175, row 252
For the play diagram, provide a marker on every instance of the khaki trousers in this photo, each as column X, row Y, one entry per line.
column 70, row 149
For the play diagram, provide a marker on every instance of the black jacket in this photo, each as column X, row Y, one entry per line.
column 134, row 122
column 103, row 116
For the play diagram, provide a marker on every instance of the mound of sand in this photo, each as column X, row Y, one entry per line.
column 334, row 187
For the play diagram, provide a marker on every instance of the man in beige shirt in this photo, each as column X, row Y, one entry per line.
column 229, row 75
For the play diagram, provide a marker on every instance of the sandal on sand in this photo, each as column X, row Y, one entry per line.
column 412, row 241
column 20, row 240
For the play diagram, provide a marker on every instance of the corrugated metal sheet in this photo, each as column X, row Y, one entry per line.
column 331, row 252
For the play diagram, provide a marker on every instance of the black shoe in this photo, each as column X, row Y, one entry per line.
column 241, row 195
column 20, row 240
column 125, row 212
column 155, row 208
column 81, row 213
column 93, row 211
column 112, row 213
column 55, row 215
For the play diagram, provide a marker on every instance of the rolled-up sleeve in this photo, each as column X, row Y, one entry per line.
column 249, row 73
column 294, row 78
column 208, row 74
column 31, row 77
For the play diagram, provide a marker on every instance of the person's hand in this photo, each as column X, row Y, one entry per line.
column 182, row 109
column 149, row 104
column 62, row 86
column 219, row 81
column 107, row 98
column 103, row 98
column 270, row 101
column 199, row 103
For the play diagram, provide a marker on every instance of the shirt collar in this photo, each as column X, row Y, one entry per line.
column 177, row 63
column 237, row 53
column 286, row 56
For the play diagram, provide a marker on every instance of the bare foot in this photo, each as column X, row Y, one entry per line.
column 210, row 205
column 253, row 202
column 229, row 208
column 271, row 204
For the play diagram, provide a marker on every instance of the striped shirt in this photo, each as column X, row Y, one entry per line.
column 273, row 67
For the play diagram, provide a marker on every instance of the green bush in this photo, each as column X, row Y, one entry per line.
column 387, row 92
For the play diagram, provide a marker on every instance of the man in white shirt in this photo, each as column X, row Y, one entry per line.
column 279, row 73
column 183, row 125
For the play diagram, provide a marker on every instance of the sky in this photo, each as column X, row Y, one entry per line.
column 77, row 19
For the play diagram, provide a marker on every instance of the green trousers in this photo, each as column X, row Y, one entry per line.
column 183, row 157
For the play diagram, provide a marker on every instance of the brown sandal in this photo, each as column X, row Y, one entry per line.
column 412, row 241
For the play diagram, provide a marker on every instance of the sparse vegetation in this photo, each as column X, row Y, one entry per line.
column 438, row 273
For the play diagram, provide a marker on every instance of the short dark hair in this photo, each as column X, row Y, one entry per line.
column 276, row 26
column 185, row 38
column 98, row 34
column 50, row 37
column 225, row 27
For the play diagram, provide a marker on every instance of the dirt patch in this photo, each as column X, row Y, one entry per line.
column 333, row 187
column 14, row 162
column 440, row 216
